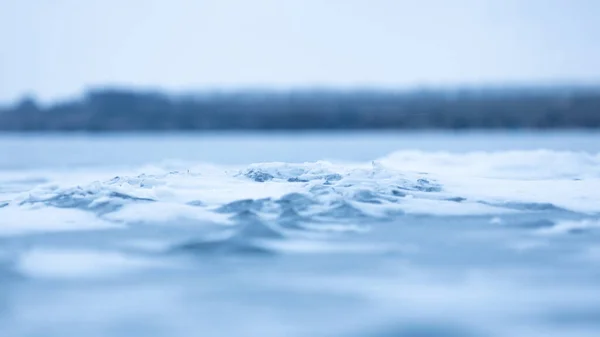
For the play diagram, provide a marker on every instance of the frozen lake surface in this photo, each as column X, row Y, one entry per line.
column 365, row 234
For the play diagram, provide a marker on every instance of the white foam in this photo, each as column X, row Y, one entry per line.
column 316, row 247
column 540, row 164
column 485, row 181
column 163, row 212
column 564, row 227
column 568, row 180
column 447, row 208
column 77, row 264
column 15, row 220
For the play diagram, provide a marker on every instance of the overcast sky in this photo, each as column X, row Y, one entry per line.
column 54, row 48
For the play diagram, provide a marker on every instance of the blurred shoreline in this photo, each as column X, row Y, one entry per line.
column 331, row 133
column 118, row 110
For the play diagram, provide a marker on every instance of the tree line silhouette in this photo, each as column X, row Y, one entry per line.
column 115, row 109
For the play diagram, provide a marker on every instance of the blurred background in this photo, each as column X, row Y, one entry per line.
column 153, row 65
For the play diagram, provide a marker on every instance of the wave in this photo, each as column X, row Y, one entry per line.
column 268, row 201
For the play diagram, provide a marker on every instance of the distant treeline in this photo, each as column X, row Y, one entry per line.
column 130, row 110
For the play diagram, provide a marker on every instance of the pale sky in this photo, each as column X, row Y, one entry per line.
column 56, row 48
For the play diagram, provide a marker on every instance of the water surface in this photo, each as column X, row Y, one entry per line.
column 419, row 234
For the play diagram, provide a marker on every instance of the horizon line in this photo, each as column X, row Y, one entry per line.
column 339, row 88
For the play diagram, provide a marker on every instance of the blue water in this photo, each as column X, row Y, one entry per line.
column 419, row 234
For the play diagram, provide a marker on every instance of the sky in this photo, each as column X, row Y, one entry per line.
column 56, row 48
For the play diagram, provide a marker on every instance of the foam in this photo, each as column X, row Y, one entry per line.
column 569, row 180
column 17, row 220
column 449, row 208
column 165, row 213
column 407, row 182
column 538, row 164
column 316, row 247
column 566, row 227
column 78, row 264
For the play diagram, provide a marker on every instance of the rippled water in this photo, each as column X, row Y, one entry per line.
column 306, row 235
